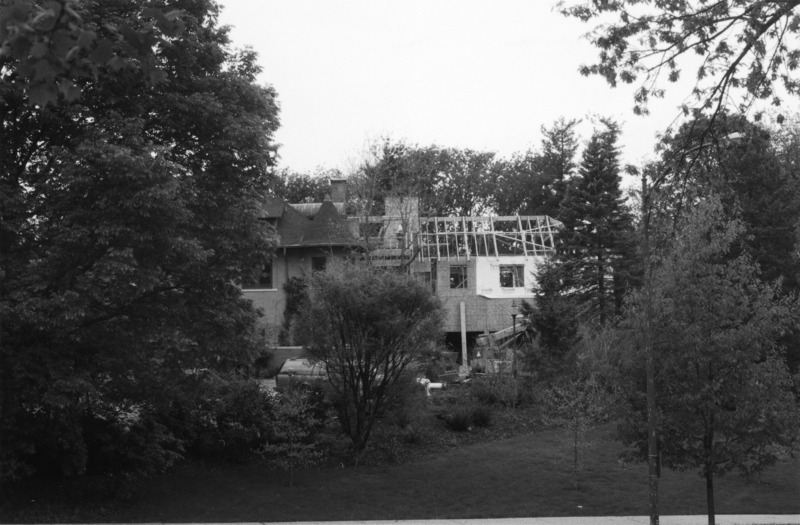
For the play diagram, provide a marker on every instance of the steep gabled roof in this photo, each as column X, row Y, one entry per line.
column 272, row 208
column 292, row 227
column 328, row 228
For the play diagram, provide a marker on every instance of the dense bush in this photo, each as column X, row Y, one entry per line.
column 482, row 416
column 499, row 388
column 290, row 442
column 460, row 420
column 227, row 420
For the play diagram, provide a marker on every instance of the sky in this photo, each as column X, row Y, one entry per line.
column 455, row 73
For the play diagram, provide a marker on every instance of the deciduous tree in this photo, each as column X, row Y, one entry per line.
column 368, row 325
column 296, row 188
column 724, row 393
column 747, row 45
column 127, row 217
column 58, row 49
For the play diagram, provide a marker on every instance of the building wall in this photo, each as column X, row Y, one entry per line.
column 488, row 306
column 294, row 262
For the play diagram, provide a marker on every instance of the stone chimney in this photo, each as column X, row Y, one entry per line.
column 338, row 190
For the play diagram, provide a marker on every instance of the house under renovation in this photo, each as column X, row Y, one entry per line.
column 481, row 268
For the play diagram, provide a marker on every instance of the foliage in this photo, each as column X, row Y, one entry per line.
column 295, row 289
column 499, row 387
column 752, row 169
column 58, row 51
column 724, row 394
column 581, row 393
column 368, row 325
column 534, row 183
column 578, row 405
column 392, row 169
column 448, row 181
column 744, row 44
column 754, row 181
column 460, row 420
column 126, row 222
column 229, row 419
column 465, row 183
column 297, row 188
column 294, row 422
column 553, row 323
column 482, row 416
column 594, row 245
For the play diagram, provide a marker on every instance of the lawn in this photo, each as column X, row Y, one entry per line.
column 520, row 476
column 477, row 474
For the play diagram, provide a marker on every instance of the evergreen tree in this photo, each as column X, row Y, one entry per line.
column 594, row 245
column 534, row 183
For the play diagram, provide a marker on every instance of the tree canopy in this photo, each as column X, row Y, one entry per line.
column 534, row 182
column 368, row 325
column 593, row 245
column 128, row 215
column 296, row 188
column 56, row 51
column 725, row 395
column 748, row 45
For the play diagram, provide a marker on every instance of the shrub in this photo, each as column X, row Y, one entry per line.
column 291, row 432
column 368, row 325
column 225, row 419
column 413, row 436
column 460, row 420
column 498, row 388
column 482, row 416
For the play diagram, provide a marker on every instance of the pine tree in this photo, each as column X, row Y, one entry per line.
column 534, row 183
column 594, row 244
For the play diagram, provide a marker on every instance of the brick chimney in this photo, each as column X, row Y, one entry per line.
column 338, row 190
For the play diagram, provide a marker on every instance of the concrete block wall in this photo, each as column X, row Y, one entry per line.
column 482, row 313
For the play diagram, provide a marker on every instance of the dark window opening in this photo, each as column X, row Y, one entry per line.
column 458, row 277
column 318, row 264
column 262, row 281
column 512, row 276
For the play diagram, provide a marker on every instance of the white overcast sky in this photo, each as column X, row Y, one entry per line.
column 473, row 74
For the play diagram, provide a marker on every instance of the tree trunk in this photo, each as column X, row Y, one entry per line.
column 709, row 460
column 710, row 495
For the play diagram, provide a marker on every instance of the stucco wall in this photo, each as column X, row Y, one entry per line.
column 295, row 262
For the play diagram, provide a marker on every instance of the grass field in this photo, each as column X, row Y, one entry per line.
column 524, row 475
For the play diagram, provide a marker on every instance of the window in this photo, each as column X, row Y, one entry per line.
column 458, row 276
column 512, row 276
column 262, row 281
column 318, row 264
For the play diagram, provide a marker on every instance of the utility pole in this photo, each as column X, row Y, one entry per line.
column 650, row 366
column 653, row 463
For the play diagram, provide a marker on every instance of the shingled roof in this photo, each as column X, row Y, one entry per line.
column 327, row 228
column 272, row 208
